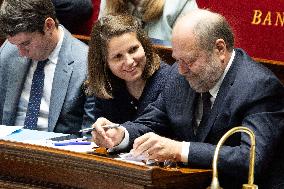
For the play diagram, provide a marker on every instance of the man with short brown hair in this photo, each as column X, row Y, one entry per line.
column 42, row 69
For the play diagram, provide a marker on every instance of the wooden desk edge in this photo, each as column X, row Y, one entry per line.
column 32, row 163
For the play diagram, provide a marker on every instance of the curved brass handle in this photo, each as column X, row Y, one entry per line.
column 215, row 183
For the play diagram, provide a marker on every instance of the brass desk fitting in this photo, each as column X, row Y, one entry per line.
column 215, row 182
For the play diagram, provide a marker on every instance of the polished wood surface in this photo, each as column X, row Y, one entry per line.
column 31, row 166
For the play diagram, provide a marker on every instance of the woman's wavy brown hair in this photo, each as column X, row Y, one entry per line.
column 100, row 81
column 152, row 9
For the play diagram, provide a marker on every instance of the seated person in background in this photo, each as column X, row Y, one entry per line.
column 42, row 69
column 72, row 13
column 124, row 74
column 212, row 88
column 157, row 16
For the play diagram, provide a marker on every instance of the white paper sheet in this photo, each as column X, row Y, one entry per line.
column 42, row 138
column 7, row 130
column 73, row 148
column 128, row 157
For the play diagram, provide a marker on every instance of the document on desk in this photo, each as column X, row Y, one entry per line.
column 22, row 135
column 128, row 157
column 84, row 148
column 7, row 130
column 42, row 138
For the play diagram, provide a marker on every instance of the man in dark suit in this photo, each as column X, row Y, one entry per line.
column 241, row 92
column 33, row 34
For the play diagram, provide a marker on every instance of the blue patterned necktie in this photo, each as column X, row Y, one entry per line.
column 35, row 96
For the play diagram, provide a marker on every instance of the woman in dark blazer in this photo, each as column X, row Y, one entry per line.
column 125, row 74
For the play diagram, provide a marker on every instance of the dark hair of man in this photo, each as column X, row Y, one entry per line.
column 18, row 16
column 100, row 80
column 207, row 31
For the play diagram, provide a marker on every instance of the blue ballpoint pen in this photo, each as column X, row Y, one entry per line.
column 67, row 143
column 110, row 126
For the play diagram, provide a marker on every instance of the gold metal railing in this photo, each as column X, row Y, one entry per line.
column 215, row 182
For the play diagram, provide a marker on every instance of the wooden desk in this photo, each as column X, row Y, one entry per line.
column 31, row 166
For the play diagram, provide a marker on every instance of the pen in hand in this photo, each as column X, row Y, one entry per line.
column 110, row 126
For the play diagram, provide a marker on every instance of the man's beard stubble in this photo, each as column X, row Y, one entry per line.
column 207, row 78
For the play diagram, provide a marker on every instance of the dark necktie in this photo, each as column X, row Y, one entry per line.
column 206, row 104
column 35, row 96
column 206, row 107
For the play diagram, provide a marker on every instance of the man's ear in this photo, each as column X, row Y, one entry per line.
column 49, row 25
column 220, row 49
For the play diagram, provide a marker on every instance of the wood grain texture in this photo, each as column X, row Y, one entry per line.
column 31, row 166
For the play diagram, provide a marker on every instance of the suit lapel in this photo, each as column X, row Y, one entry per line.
column 17, row 76
column 219, row 102
column 62, row 75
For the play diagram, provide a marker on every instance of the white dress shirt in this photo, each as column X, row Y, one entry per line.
column 49, row 71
